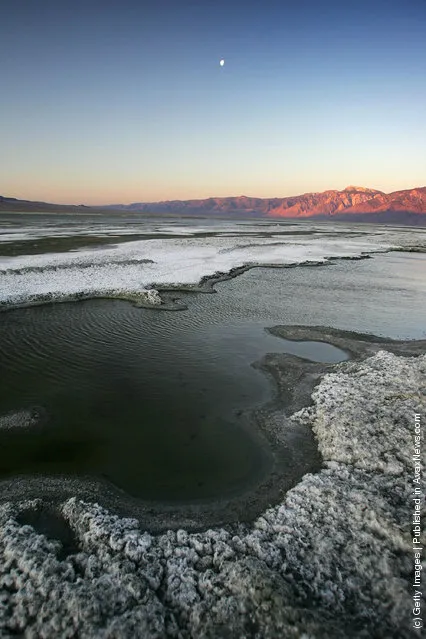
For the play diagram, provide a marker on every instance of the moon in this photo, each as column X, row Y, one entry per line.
column 222, row 62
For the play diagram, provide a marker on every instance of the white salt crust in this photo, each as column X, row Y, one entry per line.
column 130, row 268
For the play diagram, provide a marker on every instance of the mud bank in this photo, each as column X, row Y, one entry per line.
column 331, row 559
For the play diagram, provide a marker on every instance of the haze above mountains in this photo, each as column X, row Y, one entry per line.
column 353, row 203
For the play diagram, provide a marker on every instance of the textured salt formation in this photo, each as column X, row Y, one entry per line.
column 332, row 560
column 150, row 297
column 22, row 418
column 384, row 442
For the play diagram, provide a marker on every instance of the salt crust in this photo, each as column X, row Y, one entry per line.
column 332, row 560
column 130, row 268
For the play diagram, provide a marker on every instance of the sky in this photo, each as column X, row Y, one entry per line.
column 119, row 101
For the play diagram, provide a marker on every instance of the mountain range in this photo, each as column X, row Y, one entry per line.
column 354, row 203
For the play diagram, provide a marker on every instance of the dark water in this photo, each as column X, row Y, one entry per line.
column 145, row 399
column 157, row 402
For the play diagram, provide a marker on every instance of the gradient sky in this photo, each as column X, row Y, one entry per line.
column 122, row 101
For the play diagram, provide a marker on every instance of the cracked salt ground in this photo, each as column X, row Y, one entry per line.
column 332, row 560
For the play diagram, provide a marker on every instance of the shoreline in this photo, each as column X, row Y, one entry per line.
column 162, row 294
column 293, row 381
column 331, row 559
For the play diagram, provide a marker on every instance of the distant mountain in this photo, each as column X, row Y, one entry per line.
column 354, row 203
column 12, row 205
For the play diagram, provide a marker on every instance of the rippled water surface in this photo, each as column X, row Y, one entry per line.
column 157, row 402
column 142, row 398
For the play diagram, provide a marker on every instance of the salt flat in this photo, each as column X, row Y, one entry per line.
column 183, row 256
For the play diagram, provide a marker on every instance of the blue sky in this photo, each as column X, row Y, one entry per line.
column 125, row 101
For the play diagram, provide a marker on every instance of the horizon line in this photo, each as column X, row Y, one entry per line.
column 211, row 197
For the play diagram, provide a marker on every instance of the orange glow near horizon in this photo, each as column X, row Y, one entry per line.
column 111, row 195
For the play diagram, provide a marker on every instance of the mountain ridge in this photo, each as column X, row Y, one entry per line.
column 353, row 202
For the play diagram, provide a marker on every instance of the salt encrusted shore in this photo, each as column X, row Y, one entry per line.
column 136, row 270
column 332, row 560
